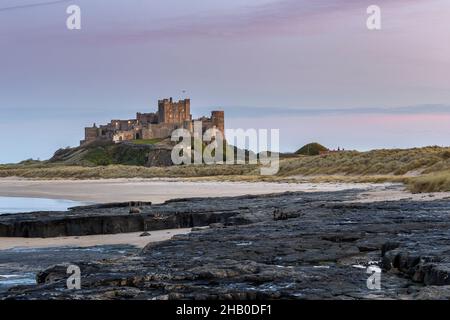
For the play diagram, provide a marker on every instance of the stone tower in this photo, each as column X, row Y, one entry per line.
column 218, row 120
column 174, row 112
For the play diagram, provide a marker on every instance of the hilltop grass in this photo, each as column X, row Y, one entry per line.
column 420, row 169
column 311, row 149
column 146, row 141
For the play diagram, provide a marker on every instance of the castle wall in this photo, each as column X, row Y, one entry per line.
column 124, row 136
column 146, row 118
column 122, row 125
column 90, row 134
column 158, row 131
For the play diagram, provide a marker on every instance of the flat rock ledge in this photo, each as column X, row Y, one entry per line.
column 283, row 246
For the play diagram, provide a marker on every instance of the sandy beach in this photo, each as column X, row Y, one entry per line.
column 160, row 190
column 154, row 190
column 133, row 239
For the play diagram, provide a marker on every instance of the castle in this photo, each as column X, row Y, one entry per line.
column 170, row 116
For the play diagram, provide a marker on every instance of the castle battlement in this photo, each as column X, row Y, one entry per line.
column 171, row 115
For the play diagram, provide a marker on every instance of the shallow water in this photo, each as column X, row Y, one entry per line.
column 19, row 266
column 11, row 280
column 20, row 204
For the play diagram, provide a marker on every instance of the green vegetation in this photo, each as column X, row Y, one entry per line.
column 58, row 171
column 420, row 169
column 104, row 154
column 117, row 154
column 146, row 141
column 394, row 162
column 311, row 149
column 435, row 182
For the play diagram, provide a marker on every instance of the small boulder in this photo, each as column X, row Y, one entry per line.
column 145, row 234
column 135, row 210
column 279, row 215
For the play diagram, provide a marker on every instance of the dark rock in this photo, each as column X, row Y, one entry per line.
column 135, row 210
column 145, row 234
column 322, row 253
column 217, row 225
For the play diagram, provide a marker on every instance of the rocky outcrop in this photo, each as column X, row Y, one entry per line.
column 110, row 219
column 424, row 260
column 315, row 246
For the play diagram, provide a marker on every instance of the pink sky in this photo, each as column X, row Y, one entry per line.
column 241, row 54
column 359, row 132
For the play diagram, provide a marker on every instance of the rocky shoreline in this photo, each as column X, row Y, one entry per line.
column 280, row 246
column 19, row 266
column 110, row 219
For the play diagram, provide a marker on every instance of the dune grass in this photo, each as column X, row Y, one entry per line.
column 377, row 162
column 121, row 171
column 420, row 169
column 435, row 182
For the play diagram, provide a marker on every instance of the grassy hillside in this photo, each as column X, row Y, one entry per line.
column 377, row 162
column 108, row 153
column 311, row 149
column 421, row 169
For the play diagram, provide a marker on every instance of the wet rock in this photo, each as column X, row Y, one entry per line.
column 433, row 293
column 322, row 253
column 53, row 274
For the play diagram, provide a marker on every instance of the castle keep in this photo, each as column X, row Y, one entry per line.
column 170, row 116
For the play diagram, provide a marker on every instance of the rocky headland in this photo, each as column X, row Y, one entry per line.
column 280, row 246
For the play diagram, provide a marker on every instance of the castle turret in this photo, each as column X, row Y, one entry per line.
column 218, row 120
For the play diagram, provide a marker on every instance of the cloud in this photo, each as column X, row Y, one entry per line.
column 237, row 112
column 32, row 5
column 142, row 23
column 284, row 16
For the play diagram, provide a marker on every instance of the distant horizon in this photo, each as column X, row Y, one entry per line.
column 309, row 68
column 239, row 116
column 315, row 120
